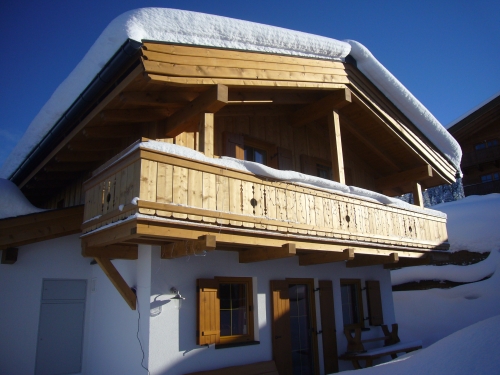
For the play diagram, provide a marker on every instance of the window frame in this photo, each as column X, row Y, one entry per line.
column 208, row 313
column 249, row 337
column 360, row 310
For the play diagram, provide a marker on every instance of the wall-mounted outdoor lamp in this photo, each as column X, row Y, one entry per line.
column 177, row 299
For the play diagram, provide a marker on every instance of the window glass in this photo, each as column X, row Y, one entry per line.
column 351, row 303
column 255, row 154
column 233, row 309
column 324, row 171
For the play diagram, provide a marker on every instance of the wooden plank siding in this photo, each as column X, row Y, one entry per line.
column 203, row 192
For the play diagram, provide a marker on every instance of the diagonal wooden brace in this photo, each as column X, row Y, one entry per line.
column 118, row 281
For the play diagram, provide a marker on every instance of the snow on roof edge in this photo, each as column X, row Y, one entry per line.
column 406, row 102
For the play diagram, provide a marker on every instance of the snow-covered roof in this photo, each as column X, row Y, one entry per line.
column 185, row 27
column 13, row 202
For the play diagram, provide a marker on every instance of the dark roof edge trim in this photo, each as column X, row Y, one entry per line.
column 75, row 113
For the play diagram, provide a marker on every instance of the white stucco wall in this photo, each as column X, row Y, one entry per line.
column 20, row 297
column 172, row 336
column 168, row 337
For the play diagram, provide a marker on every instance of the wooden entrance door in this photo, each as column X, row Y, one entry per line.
column 295, row 345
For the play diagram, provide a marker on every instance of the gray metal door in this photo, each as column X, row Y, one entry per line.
column 60, row 330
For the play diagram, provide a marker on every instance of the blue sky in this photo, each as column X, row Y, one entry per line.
column 447, row 53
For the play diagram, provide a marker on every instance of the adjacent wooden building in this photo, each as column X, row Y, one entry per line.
column 272, row 265
column 478, row 133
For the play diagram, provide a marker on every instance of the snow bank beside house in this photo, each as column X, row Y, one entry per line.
column 13, row 202
column 432, row 314
column 471, row 350
column 178, row 26
column 473, row 222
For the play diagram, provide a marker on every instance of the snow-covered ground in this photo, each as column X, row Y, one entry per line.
column 459, row 327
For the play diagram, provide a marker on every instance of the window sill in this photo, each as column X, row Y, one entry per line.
column 236, row 344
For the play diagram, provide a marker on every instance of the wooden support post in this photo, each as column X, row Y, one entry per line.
column 418, row 199
column 210, row 101
column 371, row 260
column 117, row 280
column 267, row 253
column 325, row 257
column 190, row 247
column 111, row 252
column 336, row 147
column 206, row 130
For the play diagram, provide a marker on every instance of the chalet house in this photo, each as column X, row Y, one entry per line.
column 478, row 133
column 241, row 169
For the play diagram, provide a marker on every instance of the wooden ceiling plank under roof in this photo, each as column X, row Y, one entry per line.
column 157, row 98
column 119, row 88
column 370, row 260
column 351, row 128
column 404, row 178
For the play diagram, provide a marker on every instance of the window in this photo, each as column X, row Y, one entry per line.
column 243, row 147
column 316, row 167
column 225, row 311
column 485, row 144
column 323, row 171
column 255, row 154
column 352, row 303
column 490, row 177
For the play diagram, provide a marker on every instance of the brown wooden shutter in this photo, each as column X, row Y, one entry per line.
column 282, row 341
column 285, row 159
column 234, row 145
column 308, row 165
column 208, row 325
column 374, row 301
column 329, row 336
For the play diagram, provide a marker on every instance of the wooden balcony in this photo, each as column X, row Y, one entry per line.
column 482, row 188
column 179, row 199
column 486, row 155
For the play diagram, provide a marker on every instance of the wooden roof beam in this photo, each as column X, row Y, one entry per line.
column 326, row 257
column 371, row 260
column 267, row 253
column 41, row 226
column 129, row 252
column 209, row 101
column 322, row 108
column 404, row 178
column 117, row 280
column 346, row 124
column 179, row 249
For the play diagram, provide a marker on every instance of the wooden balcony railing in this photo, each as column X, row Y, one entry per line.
column 482, row 188
column 485, row 155
column 174, row 187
